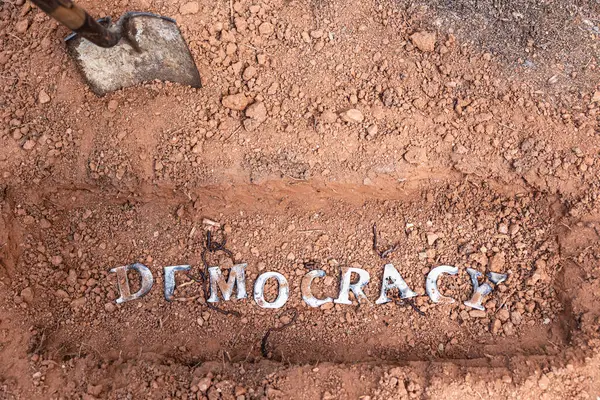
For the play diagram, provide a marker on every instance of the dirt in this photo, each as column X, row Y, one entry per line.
column 467, row 132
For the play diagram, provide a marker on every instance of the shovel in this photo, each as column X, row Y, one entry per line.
column 139, row 47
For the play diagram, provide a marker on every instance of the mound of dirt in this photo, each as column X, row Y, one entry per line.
column 326, row 135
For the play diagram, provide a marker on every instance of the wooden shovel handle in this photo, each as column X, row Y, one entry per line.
column 78, row 20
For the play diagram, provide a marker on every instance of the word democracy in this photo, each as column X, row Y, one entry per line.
column 237, row 279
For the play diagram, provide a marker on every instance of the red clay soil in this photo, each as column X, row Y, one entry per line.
column 468, row 133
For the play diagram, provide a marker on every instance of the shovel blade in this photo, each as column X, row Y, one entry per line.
column 151, row 48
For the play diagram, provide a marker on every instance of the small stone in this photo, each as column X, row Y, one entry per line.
column 327, row 306
column 596, row 97
column 110, row 307
column 503, row 314
column 29, row 145
column 503, row 229
column 372, row 130
column 266, row 28
column 204, row 384
column 352, row 116
column 45, row 224
column 257, row 111
column 431, row 238
column 43, row 97
column 477, row 314
column 94, row 390
column 21, row 26
column 237, row 102
column 328, row 117
column 424, row 41
column 158, row 166
column 416, row 155
column 78, row 302
column 508, row 328
column 56, row 260
column 317, row 33
column 113, row 105
column 496, row 326
column 191, row 7
column 200, row 321
column 516, row 318
column 27, row 295
column 249, row 73
column 497, row 262
column 544, row 382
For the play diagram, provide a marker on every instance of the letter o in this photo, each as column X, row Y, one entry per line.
column 259, row 290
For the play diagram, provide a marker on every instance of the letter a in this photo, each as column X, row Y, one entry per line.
column 393, row 280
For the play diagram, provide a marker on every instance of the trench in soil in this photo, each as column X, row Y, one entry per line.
column 63, row 242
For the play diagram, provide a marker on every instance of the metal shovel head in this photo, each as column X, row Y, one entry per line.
column 151, row 48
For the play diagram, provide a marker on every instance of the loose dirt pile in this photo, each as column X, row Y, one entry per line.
column 316, row 121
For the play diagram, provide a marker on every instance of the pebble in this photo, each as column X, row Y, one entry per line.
column 508, row 328
column 317, row 34
column 266, row 28
column 516, row 317
column 29, row 145
column 43, row 97
column 249, row 73
column 257, row 111
column 237, row 102
column 352, row 116
column 204, row 384
column 497, row 262
column 27, row 295
column 110, row 307
column 94, row 390
column 328, row 117
column 503, row 315
column 477, row 314
column 416, row 155
column 21, row 26
column 431, row 238
column 78, row 302
column 503, row 229
column 372, row 130
column 56, row 260
column 191, row 7
column 424, row 41
column 113, row 105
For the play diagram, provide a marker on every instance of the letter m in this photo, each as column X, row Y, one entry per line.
column 237, row 276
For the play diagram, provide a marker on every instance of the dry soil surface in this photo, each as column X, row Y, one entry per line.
column 467, row 132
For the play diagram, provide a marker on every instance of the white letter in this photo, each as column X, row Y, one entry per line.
column 393, row 280
column 357, row 288
column 237, row 275
column 259, row 290
column 170, row 279
column 431, row 283
column 479, row 292
column 307, row 295
column 123, row 281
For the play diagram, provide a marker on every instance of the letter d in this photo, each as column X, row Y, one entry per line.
column 123, row 282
